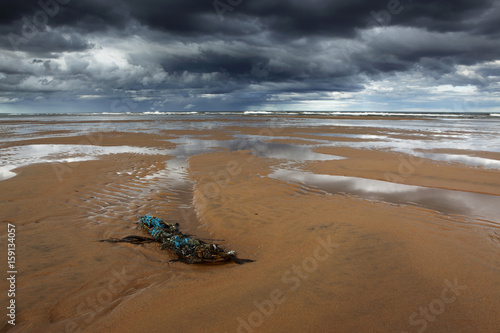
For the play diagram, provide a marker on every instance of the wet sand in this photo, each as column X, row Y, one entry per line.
column 325, row 261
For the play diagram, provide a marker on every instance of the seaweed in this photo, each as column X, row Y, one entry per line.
column 188, row 249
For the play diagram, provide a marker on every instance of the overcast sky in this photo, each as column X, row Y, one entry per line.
column 238, row 55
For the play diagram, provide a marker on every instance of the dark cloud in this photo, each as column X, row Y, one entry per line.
column 239, row 54
column 445, row 16
column 288, row 17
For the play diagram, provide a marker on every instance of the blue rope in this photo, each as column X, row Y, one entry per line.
column 152, row 222
column 180, row 241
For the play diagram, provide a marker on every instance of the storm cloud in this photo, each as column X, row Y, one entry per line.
column 152, row 55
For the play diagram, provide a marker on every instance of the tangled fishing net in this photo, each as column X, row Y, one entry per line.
column 188, row 249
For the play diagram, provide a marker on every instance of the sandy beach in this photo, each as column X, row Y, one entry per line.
column 354, row 226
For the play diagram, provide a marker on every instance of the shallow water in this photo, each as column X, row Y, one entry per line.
column 19, row 156
column 467, row 134
column 470, row 205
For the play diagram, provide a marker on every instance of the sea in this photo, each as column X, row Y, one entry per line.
column 465, row 131
column 471, row 139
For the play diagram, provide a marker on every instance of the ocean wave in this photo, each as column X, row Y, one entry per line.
column 258, row 112
column 149, row 113
column 456, row 115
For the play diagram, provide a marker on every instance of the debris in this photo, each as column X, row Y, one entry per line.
column 188, row 249
column 130, row 239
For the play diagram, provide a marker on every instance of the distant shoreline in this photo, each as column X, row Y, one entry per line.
column 322, row 114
